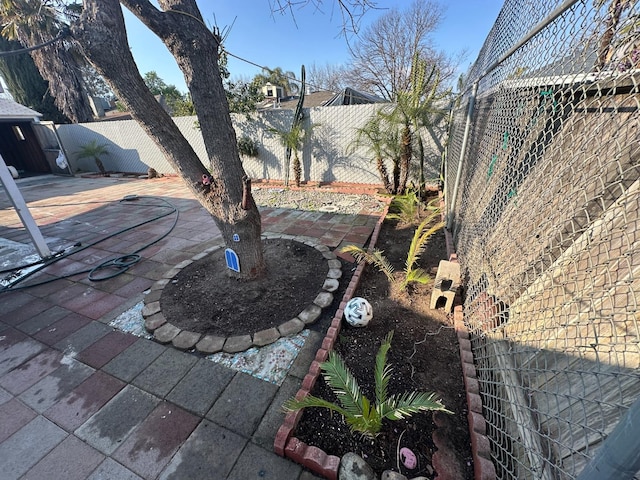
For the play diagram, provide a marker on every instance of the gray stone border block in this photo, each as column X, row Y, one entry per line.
column 150, row 309
column 310, row 314
column 210, row 344
column 324, row 299
column 236, row 344
column 160, row 284
column 334, row 263
column 265, row 337
column 330, row 285
column 166, row 333
column 154, row 322
column 334, row 273
column 293, row 326
column 171, row 273
column 186, row 340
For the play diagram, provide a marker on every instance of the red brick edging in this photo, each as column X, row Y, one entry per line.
column 285, row 444
column 483, row 468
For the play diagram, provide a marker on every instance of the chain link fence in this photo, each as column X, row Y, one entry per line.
column 543, row 198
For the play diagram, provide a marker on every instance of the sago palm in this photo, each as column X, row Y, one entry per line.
column 360, row 414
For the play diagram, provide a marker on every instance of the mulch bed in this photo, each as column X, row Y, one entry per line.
column 424, row 355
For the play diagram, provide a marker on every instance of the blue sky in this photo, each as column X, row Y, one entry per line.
column 276, row 40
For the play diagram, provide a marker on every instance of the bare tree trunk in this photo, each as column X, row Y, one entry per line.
column 101, row 34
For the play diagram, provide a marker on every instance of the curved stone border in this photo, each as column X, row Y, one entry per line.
column 165, row 332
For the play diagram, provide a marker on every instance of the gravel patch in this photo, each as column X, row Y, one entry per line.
column 316, row 200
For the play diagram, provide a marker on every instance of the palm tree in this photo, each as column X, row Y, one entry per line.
column 415, row 109
column 94, row 150
column 292, row 139
column 277, row 76
column 34, row 22
column 377, row 138
column 361, row 414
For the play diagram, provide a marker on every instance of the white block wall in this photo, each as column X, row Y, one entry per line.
column 327, row 156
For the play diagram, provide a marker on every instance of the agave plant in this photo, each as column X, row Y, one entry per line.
column 411, row 273
column 360, row 414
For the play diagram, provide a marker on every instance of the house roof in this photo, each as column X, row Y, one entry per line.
column 324, row 98
column 10, row 110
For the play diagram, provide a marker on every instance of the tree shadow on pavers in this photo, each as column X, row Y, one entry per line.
column 104, row 230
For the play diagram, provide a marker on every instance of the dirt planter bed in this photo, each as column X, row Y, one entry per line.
column 444, row 460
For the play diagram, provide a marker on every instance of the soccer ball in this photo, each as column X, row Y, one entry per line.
column 358, row 312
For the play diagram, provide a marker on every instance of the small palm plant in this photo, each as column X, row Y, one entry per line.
column 94, row 150
column 293, row 139
column 412, row 273
column 359, row 413
column 406, row 208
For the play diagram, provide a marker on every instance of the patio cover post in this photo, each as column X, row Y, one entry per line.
column 23, row 212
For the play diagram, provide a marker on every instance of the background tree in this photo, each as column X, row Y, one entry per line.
column 26, row 85
column 95, row 84
column 243, row 96
column 292, row 139
column 94, row 150
column 34, row 22
column 101, row 35
column 382, row 55
column 327, row 77
column 172, row 96
column 277, row 76
column 381, row 141
column 417, row 109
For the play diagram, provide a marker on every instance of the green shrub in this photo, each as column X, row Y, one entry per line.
column 247, row 147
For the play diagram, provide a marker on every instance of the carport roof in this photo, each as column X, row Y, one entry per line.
column 10, row 110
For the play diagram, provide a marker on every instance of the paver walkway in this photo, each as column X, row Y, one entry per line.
column 80, row 400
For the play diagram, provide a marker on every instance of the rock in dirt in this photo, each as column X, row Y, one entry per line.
column 353, row 467
column 391, row 475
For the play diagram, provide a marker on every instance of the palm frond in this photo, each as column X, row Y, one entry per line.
column 417, row 275
column 369, row 423
column 417, row 247
column 359, row 413
column 382, row 371
column 418, row 242
column 406, row 404
column 343, row 384
column 376, row 258
column 293, row 405
column 404, row 207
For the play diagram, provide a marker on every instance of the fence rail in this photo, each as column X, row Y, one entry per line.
column 543, row 195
